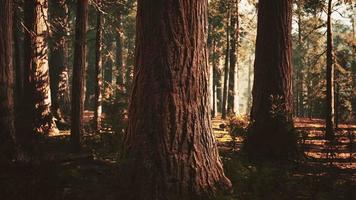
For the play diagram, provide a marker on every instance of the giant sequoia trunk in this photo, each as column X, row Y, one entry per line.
column 271, row 132
column 59, row 59
column 37, row 94
column 7, row 128
column 98, row 70
column 169, row 149
column 79, row 73
column 234, row 26
column 330, row 99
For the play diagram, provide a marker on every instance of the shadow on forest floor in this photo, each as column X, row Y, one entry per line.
column 93, row 174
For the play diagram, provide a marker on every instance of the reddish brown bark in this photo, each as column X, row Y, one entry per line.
column 169, row 149
column 79, row 73
column 271, row 132
column 7, row 127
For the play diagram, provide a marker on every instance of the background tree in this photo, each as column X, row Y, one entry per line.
column 167, row 143
column 330, row 77
column 234, row 26
column 79, row 73
column 59, row 58
column 98, row 68
column 270, row 134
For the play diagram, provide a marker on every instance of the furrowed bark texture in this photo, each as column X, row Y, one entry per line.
column 271, row 114
column 7, row 127
column 170, row 152
column 37, row 100
column 79, row 73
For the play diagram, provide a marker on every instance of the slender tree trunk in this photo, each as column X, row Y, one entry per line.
column 271, row 134
column 330, row 98
column 234, row 31
column 353, row 68
column 37, row 97
column 249, row 88
column 7, row 130
column 98, row 70
column 59, row 59
column 169, row 149
column 18, row 54
column 119, row 49
column 79, row 73
column 226, row 70
column 214, row 79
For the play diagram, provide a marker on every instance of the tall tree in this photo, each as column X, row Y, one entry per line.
column 59, row 18
column 7, row 130
column 98, row 68
column 234, row 26
column 330, row 96
column 169, row 149
column 271, row 132
column 226, row 69
column 119, row 49
column 79, row 73
column 37, row 117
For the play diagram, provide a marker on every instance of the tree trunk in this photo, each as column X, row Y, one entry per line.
column 7, row 130
column 79, row 73
column 249, row 88
column 59, row 59
column 119, row 49
column 18, row 54
column 330, row 98
column 226, row 69
column 169, row 148
column 37, row 97
column 98, row 70
column 234, row 28
column 271, row 134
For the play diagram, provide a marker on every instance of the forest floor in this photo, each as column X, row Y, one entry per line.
column 93, row 173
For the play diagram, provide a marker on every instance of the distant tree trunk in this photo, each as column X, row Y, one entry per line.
column 109, row 61
column 37, row 97
column 119, row 48
column 330, row 98
column 249, row 88
column 353, row 69
column 18, row 54
column 79, row 73
column 214, row 79
column 169, row 149
column 59, row 59
column 226, row 69
column 271, row 135
column 234, row 28
column 7, row 130
column 98, row 70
